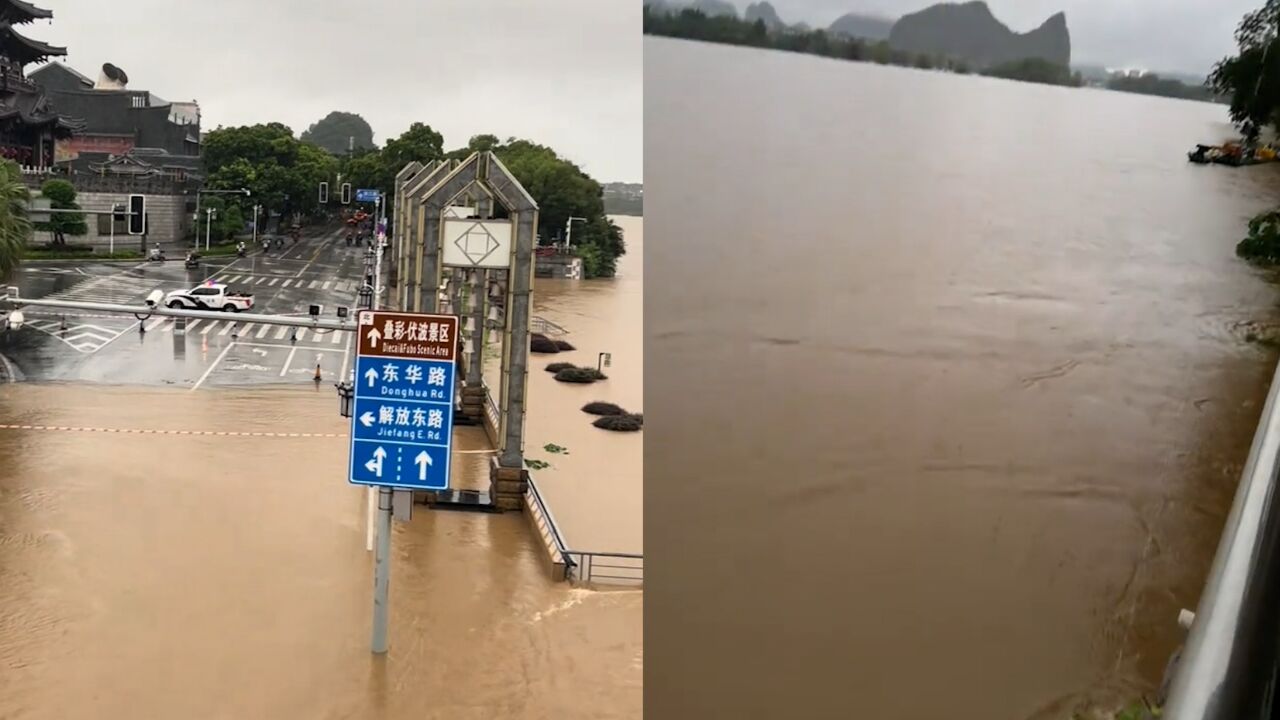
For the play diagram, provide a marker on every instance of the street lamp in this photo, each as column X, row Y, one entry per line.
column 239, row 191
column 346, row 396
column 604, row 359
column 568, row 230
column 210, row 214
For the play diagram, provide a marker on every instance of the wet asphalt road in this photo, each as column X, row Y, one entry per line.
column 121, row 349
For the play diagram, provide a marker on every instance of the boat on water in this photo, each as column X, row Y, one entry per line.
column 1233, row 154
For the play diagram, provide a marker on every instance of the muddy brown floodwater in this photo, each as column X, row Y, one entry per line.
column 950, row 383
column 224, row 576
column 595, row 491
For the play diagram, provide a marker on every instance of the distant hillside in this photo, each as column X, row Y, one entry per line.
column 623, row 198
column 970, row 32
column 862, row 26
column 710, row 8
column 765, row 12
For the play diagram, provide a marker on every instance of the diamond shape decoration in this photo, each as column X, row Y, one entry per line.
column 477, row 243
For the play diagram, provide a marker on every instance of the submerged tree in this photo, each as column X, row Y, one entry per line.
column 1251, row 79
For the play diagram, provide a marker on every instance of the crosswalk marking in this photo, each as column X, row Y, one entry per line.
column 283, row 329
column 233, row 278
column 286, row 282
column 262, row 330
column 191, row 324
column 156, row 323
column 327, row 283
column 225, row 330
column 302, row 333
column 274, row 281
column 209, row 327
column 337, row 337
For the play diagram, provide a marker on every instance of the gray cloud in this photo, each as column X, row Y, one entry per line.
column 1171, row 35
column 565, row 73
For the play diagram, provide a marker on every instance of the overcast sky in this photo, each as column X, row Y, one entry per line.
column 1170, row 35
column 564, row 73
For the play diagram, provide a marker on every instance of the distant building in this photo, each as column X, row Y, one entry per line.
column 117, row 121
column 29, row 124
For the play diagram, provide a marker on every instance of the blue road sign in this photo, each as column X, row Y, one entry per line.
column 402, row 412
column 366, row 195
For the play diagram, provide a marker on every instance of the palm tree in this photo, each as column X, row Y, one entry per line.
column 15, row 225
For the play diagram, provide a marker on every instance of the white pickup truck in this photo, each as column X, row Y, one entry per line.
column 210, row 296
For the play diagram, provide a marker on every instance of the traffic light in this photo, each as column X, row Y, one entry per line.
column 346, row 193
column 117, row 212
column 324, row 193
column 137, row 214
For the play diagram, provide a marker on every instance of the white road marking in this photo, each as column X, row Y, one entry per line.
column 156, row 323
column 212, row 324
column 337, row 336
column 281, row 333
column 262, row 330
column 227, row 329
column 213, row 365
column 313, row 284
column 346, row 357
column 286, row 282
column 192, row 323
column 274, row 281
column 302, row 333
column 288, row 360
column 327, row 283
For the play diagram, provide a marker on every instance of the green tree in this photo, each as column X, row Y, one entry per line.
column 15, row 226
column 338, row 131
column 62, row 195
column 282, row 172
column 1250, row 78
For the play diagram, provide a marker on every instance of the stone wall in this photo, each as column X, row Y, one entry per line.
column 168, row 220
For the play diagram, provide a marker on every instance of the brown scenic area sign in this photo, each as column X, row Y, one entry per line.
column 417, row 336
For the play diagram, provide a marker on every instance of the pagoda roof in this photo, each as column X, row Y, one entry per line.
column 19, row 12
column 34, row 111
column 23, row 49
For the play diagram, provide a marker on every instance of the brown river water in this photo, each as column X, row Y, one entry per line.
column 149, row 575
column 950, row 381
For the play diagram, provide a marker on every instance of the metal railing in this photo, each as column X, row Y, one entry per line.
column 543, row 326
column 607, row 568
column 546, row 524
column 584, row 567
column 1231, row 661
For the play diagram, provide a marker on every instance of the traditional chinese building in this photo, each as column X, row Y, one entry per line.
column 29, row 125
column 117, row 119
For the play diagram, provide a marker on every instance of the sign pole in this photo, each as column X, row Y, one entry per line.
column 382, row 571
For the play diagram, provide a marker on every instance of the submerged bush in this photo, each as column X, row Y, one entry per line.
column 564, row 346
column 580, row 375
column 556, row 367
column 602, row 408
column 1262, row 245
column 542, row 344
column 620, row 423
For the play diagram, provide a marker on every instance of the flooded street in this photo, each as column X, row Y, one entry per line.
column 224, row 575
column 973, row 351
column 596, row 490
